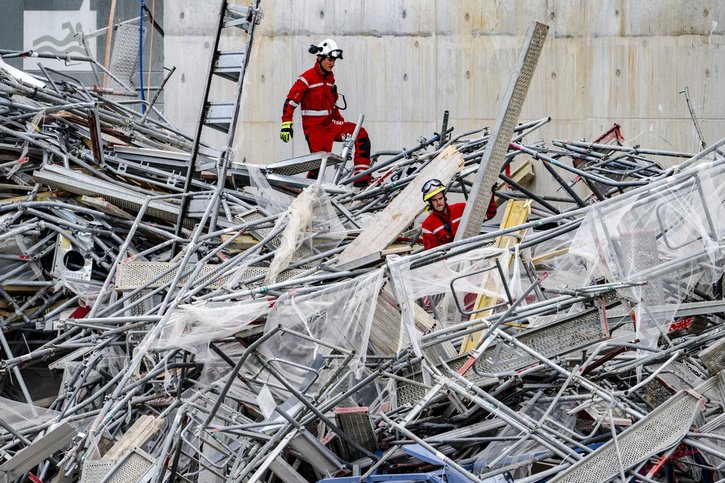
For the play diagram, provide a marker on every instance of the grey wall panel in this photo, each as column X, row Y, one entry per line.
column 408, row 61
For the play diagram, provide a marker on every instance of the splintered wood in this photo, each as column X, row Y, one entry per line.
column 389, row 223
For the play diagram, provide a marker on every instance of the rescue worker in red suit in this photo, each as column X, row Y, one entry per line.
column 441, row 225
column 316, row 94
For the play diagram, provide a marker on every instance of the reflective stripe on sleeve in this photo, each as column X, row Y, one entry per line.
column 307, row 112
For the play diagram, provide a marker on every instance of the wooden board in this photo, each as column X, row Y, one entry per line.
column 389, row 223
column 142, row 430
column 517, row 212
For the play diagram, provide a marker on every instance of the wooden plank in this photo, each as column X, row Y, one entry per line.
column 548, row 256
column 523, row 175
column 241, row 242
column 105, row 207
column 517, row 212
column 142, row 430
column 389, row 223
column 42, row 196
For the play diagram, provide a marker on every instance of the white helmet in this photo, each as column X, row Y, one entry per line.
column 326, row 48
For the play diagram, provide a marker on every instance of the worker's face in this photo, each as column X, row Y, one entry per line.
column 438, row 202
column 328, row 63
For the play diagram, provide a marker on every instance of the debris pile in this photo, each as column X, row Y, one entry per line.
column 264, row 326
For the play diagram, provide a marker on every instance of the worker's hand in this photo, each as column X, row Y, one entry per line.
column 286, row 133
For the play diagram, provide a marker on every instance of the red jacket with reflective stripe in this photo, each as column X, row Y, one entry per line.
column 439, row 229
column 435, row 231
column 314, row 90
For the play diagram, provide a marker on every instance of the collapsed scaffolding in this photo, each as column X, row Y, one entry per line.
column 243, row 323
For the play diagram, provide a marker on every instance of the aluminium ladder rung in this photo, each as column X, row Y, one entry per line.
column 229, row 64
column 219, row 115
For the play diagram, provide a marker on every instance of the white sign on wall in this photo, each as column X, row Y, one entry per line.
column 55, row 32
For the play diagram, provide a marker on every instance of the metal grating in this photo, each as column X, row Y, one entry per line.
column 130, row 468
column 142, row 308
column 95, row 470
column 356, row 424
column 713, row 357
column 557, row 338
column 656, row 392
column 133, row 275
column 124, row 56
column 410, row 394
column 639, row 251
column 302, row 164
column 661, row 429
column 498, row 144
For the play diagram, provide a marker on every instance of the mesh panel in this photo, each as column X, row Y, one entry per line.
column 713, row 357
column 95, row 470
column 639, row 251
column 131, row 468
column 660, row 430
column 139, row 274
column 554, row 339
column 124, row 57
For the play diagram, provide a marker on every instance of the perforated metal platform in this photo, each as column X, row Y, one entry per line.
column 130, row 276
column 660, row 430
column 302, row 164
column 124, row 56
column 713, row 357
column 130, row 468
column 497, row 147
column 639, row 251
column 95, row 470
column 560, row 337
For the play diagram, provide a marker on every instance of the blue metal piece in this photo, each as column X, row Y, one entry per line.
column 444, row 475
column 433, row 476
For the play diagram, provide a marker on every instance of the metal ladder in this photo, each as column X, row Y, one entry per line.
column 222, row 116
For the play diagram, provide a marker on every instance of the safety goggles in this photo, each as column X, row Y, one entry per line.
column 335, row 54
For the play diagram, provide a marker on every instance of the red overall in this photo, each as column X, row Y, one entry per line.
column 322, row 123
column 439, row 228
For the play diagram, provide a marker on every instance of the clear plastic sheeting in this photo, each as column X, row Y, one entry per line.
column 193, row 327
column 518, row 451
column 667, row 240
column 270, row 200
column 311, row 224
column 87, row 291
column 448, row 287
column 21, row 416
column 336, row 318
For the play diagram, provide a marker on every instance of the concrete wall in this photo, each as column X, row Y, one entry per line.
column 406, row 61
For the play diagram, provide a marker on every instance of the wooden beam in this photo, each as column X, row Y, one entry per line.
column 389, row 223
column 517, row 212
column 142, row 430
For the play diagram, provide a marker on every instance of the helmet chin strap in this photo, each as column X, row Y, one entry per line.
column 320, row 58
